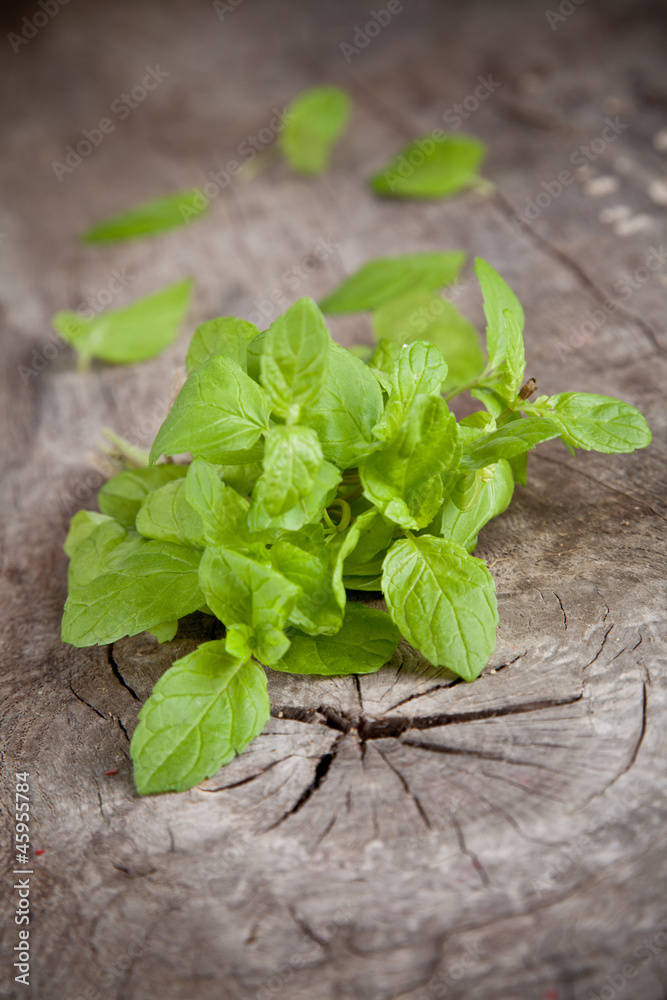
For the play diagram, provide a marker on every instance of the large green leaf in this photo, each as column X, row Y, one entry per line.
column 292, row 463
column 598, row 423
column 420, row 370
column 510, row 440
column 294, row 359
column 498, row 299
column 379, row 281
column 203, row 711
column 122, row 495
column 443, row 601
column 166, row 515
column 461, row 523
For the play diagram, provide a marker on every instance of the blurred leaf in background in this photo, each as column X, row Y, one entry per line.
column 313, row 123
column 150, row 218
column 434, row 166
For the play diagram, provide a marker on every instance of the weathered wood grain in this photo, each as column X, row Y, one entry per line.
column 401, row 835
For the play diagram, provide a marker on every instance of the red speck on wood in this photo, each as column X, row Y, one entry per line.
column 111, row 773
column 37, row 853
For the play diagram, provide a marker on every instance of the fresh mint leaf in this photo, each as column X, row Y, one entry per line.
column 307, row 511
column 252, row 600
column 379, row 281
column 219, row 414
column 135, row 333
column 443, row 601
column 313, row 123
column 433, row 166
column 403, row 480
column 81, row 526
column 420, row 370
column 347, row 410
column 374, row 536
column 365, row 642
column 586, row 420
column 508, row 441
column 304, row 560
column 165, row 632
column 226, row 335
column 100, row 552
column 167, row 516
column 464, row 515
column 154, row 584
column 512, row 372
column 427, row 316
column 292, row 463
column 203, row 711
column 498, row 298
column 223, row 511
column 122, row 495
column 150, row 218
column 294, row 359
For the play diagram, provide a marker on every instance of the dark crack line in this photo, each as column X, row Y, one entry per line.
column 446, row 719
column 562, row 609
column 600, row 649
column 608, row 611
column 465, row 850
column 466, row 752
column 425, row 694
column 252, row 777
column 407, row 789
column 321, row 771
column 86, row 703
column 117, row 674
column 122, row 727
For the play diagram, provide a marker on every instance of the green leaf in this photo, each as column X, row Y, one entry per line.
column 379, row 281
column 420, row 370
column 462, row 524
column 512, row 372
column 226, row 335
column 403, row 480
column 165, row 632
column 598, row 423
column 150, row 218
column 135, row 333
column 294, row 359
column 374, row 536
column 292, row 463
column 443, row 601
column 313, row 122
column 203, row 711
column 498, row 298
column 251, row 598
column 219, row 414
column 508, row 441
column 81, row 526
column 304, row 560
column 154, row 584
column 431, row 167
column 100, row 552
column 427, row 316
column 307, row 511
column 122, row 495
column 366, row 642
column 166, row 515
column 346, row 412
column 224, row 513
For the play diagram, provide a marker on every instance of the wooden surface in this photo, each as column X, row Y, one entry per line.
column 395, row 836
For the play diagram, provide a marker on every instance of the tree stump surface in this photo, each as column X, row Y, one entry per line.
column 399, row 835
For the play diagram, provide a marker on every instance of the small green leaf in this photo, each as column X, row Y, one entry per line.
column 224, row 513
column 420, row 370
column 427, row 316
column 508, row 441
column 251, row 598
column 307, row 511
column 512, row 372
column 203, row 711
column 100, row 552
column 365, row 642
column 498, row 297
column 122, row 495
column 462, row 524
column 292, row 462
column 81, row 526
column 150, row 218
column 379, row 281
column 598, row 423
column 443, row 601
column 294, row 359
column 165, row 632
column 219, row 414
column 155, row 583
column 431, row 167
column 304, row 560
column 135, row 333
column 403, row 479
column 167, row 516
column 313, row 122
column 226, row 335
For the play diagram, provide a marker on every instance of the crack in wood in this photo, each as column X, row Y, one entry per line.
column 321, row 771
column 117, row 674
column 86, row 703
column 597, row 655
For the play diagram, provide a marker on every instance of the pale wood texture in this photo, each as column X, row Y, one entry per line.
column 396, row 836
